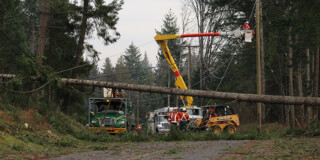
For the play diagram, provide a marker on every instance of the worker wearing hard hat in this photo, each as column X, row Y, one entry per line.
column 184, row 119
column 212, row 114
column 246, row 26
column 174, row 117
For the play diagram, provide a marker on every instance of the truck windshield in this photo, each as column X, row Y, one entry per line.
column 114, row 107
column 163, row 118
column 195, row 112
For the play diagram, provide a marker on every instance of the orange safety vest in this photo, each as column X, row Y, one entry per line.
column 174, row 118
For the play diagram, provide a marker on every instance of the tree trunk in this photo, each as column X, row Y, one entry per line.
column 300, row 114
column 309, row 108
column 292, row 117
column 44, row 17
column 83, row 30
column 316, row 83
column 184, row 92
column 263, row 83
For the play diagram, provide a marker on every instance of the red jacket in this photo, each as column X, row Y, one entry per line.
column 246, row 26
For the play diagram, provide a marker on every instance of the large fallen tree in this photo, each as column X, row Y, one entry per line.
column 195, row 93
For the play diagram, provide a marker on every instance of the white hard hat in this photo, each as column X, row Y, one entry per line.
column 184, row 109
column 247, row 22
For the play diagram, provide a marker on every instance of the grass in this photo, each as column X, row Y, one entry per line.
column 57, row 134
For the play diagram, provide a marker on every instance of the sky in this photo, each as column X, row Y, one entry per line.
column 137, row 23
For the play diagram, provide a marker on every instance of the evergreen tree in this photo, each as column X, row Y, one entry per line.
column 107, row 71
column 133, row 61
column 122, row 72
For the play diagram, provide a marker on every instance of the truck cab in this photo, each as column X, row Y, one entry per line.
column 194, row 113
column 110, row 114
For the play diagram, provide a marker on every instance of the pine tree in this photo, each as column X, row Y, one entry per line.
column 108, row 71
column 122, row 72
column 132, row 59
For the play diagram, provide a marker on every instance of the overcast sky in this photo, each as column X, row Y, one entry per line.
column 137, row 24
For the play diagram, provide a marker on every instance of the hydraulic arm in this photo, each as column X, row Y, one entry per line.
column 179, row 83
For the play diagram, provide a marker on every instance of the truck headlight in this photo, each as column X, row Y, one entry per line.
column 93, row 121
column 159, row 126
column 121, row 122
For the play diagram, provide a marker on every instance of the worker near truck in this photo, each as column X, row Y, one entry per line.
column 174, row 117
column 184, row 119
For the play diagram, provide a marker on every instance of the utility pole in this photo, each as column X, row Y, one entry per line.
column 189, row 68
column 138, row 106
column 189, row 64
column 258, row 61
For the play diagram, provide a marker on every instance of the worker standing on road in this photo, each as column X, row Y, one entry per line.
column 174, row 117
column 184, row 119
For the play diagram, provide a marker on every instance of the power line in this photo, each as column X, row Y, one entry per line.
column 34, row 90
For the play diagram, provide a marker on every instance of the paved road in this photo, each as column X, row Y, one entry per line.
column 160, row 150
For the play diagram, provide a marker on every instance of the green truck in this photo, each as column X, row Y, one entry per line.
column 111, row 114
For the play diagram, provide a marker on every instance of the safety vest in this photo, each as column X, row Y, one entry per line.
column 184, row 116
column 174, row 118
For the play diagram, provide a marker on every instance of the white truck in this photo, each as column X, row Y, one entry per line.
column 158, row 120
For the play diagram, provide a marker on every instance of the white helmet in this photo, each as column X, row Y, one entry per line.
column 247, row 22
column 184, row 109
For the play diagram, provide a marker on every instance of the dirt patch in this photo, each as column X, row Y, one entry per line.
column 160, row 150
column 286, row 148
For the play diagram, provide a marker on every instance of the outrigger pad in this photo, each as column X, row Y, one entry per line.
column 248, row 36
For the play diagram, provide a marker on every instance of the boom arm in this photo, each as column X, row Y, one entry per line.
column 161, row 39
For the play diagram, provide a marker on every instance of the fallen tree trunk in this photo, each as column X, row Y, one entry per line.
column 195, row 93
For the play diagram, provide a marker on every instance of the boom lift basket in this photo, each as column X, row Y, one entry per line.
column 248, row 36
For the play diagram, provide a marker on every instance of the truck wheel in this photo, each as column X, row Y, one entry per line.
column 216, row 129
column 230, row 129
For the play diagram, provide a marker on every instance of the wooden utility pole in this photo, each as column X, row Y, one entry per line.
column 258, row 63
column 189, row 64
column 263, row 82
column 137, row 109
column 168, row 95
column 189, row 68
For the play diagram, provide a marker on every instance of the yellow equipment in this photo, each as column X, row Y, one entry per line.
column 223, row 119
column 228, row 122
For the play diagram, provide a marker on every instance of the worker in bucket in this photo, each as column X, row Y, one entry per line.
column 174, row 117
column 184, row 119
column 246, row 26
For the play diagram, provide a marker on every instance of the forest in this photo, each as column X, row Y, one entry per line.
column 49, row 40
